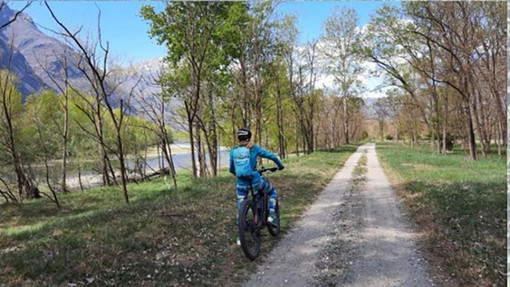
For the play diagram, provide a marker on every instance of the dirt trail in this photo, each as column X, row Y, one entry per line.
column 355, row 238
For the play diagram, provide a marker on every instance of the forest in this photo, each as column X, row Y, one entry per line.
column 240, row 64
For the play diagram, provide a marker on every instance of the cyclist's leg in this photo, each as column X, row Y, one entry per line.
column 242, row 194
column 267, row 188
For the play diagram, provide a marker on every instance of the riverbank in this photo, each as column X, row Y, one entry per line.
column 177, row 148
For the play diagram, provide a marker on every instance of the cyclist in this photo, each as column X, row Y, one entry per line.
column 243, row 164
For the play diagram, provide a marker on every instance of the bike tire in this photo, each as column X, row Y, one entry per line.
column 249, row 233
column 275, row 231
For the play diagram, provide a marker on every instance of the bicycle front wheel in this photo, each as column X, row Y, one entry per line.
column 249, row 233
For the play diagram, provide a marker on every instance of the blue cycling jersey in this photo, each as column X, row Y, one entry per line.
column 255, row 152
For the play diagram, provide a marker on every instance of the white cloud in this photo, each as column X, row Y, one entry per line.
column 374, row 95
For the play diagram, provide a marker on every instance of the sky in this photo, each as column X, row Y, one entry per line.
column 127, row 33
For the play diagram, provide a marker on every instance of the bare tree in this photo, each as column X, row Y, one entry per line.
column 342, row 42
column 97, row 71
column 156, row 110
column 10, row 98
column 382, row 113
column 64, row 87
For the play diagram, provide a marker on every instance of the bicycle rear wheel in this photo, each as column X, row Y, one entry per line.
column 249, row 233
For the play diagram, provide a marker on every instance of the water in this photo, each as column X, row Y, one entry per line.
column 181, row 161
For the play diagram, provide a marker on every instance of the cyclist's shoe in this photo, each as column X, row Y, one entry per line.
column 238, row 241
column 272, row 219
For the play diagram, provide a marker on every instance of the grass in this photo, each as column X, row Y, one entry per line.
column 459, row 207
column 361, row 168
column 163, row 238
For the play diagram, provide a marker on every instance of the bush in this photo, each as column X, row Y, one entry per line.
column 364, row 135
column 450, row 141
column 389, row 137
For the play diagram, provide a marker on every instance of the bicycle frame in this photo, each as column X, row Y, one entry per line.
column 259, row 206
column 261, row 202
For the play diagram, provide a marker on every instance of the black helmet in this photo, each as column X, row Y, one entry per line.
column 243, row 134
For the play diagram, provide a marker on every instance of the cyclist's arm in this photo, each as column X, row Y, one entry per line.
column 232, row 167
column 269, row 155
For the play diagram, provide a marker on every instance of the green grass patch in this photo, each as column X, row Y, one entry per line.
column 361, row 168
column 163, row 238
column 458, row 205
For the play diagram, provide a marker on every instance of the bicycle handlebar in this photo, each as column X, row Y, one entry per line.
column 271, row 169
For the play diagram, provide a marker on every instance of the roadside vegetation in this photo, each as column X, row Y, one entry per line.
column 459, row 208
column 164, row 237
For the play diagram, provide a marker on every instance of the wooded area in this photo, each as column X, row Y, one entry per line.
column 448, row 64
column 235, row 64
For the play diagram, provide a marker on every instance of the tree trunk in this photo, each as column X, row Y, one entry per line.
column 65, row 138
column 122, row 166
column 79, row 177
column 445, row 123
column 191, row 140
column 200, row 154
column 471, row 132
column 346, row 121
column 279, row 119
column 297, row 139
column 213, row 157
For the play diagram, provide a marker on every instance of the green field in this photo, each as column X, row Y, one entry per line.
column 459, row 207
column 163, row 238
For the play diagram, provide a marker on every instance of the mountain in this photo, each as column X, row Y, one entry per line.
column 37, row 57
column 39, row 52
column 29, row 82
column 144, row 75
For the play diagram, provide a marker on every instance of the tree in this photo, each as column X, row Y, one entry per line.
column 193, row 48
column 44, row 118
column 342, row 45
column 156, row 110
column 382, row 112
column 11, row 109
column 95, row 66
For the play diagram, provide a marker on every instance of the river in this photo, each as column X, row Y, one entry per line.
column 181, row 161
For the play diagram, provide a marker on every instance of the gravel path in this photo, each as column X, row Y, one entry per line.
column 388, row 255
column 379, row 249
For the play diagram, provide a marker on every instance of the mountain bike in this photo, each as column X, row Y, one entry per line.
column 253, row 217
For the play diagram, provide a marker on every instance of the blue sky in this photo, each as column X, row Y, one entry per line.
column 127, row 32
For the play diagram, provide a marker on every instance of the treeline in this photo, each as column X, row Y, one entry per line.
column 93, row 125
column 447, row 61
column 49, row 135
column 235, row 64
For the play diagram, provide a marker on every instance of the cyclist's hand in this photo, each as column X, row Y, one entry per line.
column 281, row 167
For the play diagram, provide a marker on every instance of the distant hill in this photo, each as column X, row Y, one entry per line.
column 368, row 110
column 34, row 53
column 31, row 54
column 16, row 62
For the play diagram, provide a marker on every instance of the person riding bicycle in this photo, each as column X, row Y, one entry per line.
column 243, row 164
